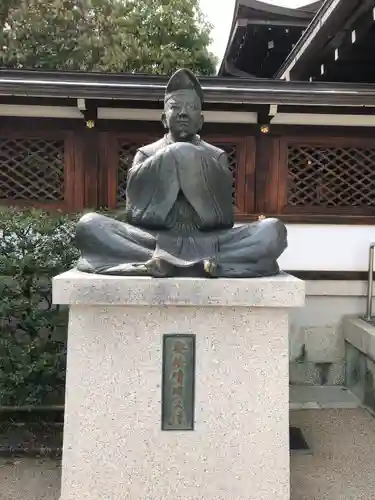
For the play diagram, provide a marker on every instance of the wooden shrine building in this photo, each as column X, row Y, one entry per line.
column 293, row 106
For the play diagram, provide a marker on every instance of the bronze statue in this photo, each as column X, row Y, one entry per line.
column 179, row 210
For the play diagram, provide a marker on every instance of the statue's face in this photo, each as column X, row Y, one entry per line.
column 183, row 115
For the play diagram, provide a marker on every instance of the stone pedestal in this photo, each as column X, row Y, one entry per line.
column 114, row 448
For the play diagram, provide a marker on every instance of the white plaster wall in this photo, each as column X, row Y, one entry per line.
column 326, row 247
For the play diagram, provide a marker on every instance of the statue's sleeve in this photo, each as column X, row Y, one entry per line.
column 224, row 188
column 152, row 188
column 207, row 183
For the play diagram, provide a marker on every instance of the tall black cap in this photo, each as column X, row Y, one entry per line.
column 184, row 79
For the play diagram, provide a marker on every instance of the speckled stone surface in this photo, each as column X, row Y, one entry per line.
column 341, row 466
column 113, row 444
column 74, row 287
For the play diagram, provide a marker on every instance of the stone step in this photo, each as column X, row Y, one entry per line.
column 304, row 397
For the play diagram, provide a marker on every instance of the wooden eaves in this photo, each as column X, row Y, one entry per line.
column 59, row 84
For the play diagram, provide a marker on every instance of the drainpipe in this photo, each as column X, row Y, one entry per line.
column 370, row 279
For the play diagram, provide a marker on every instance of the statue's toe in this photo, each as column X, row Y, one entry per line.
column 210, row 267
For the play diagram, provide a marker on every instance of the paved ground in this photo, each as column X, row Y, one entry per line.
column 29, row 480
column 341, row 466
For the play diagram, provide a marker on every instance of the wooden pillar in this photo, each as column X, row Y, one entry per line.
column 267, row 174
column 90, row 160
column 107, row 173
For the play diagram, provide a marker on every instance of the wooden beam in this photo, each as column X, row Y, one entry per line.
column 245, row 22
column 349, row 39
column 327, row 120
column 364, row 65
column 356, row 27
column 66, row 112
column 347, row 35
column 305, row 48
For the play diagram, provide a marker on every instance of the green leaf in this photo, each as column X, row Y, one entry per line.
column 35, row 247
column 154, row 36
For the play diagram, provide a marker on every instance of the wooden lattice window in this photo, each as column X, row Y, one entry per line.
column 127, row 152
column 231, row 151
column 330, row 176
column 31, row 170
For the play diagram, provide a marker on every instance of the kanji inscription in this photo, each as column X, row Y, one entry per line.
column 178, row 382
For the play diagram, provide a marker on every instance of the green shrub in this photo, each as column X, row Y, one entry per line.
column 34, row 247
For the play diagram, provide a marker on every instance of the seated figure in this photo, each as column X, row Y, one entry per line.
column 179, row 215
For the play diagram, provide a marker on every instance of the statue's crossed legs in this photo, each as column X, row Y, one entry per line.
column 110, row 246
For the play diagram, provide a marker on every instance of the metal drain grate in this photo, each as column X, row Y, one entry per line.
column 297, row 442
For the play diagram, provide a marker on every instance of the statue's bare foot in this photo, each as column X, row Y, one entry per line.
column 210, row 268
column 128, row 270
column 155, row 268
column 159, row 268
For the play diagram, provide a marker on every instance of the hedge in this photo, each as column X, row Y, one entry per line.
column 35, row 246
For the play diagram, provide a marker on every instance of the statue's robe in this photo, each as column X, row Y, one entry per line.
column 179, row 209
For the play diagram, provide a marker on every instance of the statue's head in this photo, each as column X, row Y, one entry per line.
column 183, row 101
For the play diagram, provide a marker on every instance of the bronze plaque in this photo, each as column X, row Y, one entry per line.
column 178, row 382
